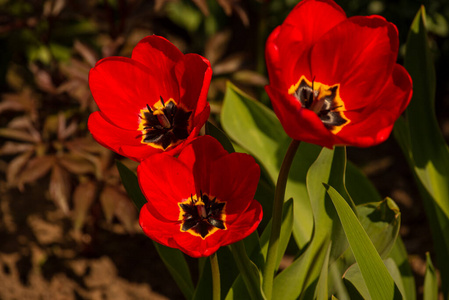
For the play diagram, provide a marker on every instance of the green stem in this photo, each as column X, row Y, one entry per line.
column 215, row 277
column 279, row 197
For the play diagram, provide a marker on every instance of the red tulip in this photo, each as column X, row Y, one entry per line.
column 201, row 200
column 153, row 102
column 334, row 80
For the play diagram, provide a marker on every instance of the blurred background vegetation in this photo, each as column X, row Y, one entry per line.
column 48, row 47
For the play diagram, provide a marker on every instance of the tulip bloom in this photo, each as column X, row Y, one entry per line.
column 153, row 102
column 334, row 80
column 201, row 200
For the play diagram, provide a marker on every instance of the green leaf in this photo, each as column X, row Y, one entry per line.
column 257, row 129
column 423, row 144
column 129, row 180
column 399, row 255
column 359, row 187
column 430, row 280
column 173, row 259
column 354, row 276
column 286, row 230
column 379, row 282
column 215, row 132
column 304, row 271
column 381, row 221
column 248, row 270
column 321, row 290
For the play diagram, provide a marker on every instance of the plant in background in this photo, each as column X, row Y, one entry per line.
column 333, row 82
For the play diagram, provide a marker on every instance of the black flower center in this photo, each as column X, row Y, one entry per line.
column 324, row 100
column 202, row 216
column 164, row 125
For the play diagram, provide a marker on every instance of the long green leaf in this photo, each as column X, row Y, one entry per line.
column 379, row 282
column 430, row 280
column 305, row 270
column 173, row 259
column 423, row 144
column 256, row 128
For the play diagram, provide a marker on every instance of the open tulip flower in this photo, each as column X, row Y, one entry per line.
column 153, row 102
column 201, row 200
column 334, row 80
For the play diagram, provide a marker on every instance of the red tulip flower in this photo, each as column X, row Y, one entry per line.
column 334, row 80
column 201, row 200
column 153, row 102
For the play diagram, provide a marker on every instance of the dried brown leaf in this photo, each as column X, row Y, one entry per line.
column 24, row 123
column 22, row 101
column 250, row 77
column 108, row 200
column 86, row 52
column 202, row 5
column 43, row 79
column 35, row 169
column 59, row 188
column 229, row 65
column 63, row 130
column 76, row 164
column 10, row 148
column 83, row 197
column 125, row 211
column 15, row 167
column 216, row 46
column 18, row 135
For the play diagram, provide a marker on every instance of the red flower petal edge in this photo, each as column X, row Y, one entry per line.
column 201, row 200
column 153, row 102
column 334, row 80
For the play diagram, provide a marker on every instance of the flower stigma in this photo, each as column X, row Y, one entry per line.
column 323, row 100
column 164, row 124
column 202, row 216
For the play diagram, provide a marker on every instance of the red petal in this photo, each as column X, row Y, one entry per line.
column 302, row 28
column 359, row 54
column 198, row 156
column 165, row 181
column 373, row 124
column 160, row 56
column 121, row 87
column 299, row 123
column 245, row 225
column 118, row 139
column 158, row 229
column 234, row 179
column 157, row 53
column 194, row 74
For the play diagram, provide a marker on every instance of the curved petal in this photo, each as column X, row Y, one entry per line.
column 373, row 125
column 122, row 87
column 234, row 178
column 116, row 138
column 363, row 54
column 246, row 224
column 299, row 123
column 159, row 230
column 302, row 28
column 194, row 74
column 165, row 181
column 157, row 53
column 198, row 157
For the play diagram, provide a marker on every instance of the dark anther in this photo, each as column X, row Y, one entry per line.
column 202, row 219
column 162, row 101
column 326, row 108
column 149, row 109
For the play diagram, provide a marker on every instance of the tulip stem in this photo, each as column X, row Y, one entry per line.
column 279, row 197
column 215, row 277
